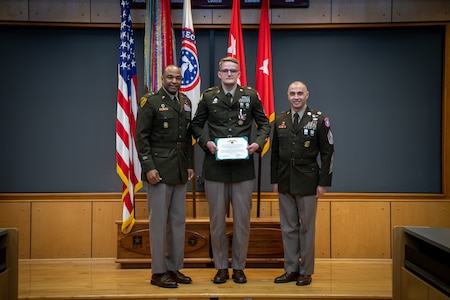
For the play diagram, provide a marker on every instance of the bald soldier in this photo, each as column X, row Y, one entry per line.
column 301, row 135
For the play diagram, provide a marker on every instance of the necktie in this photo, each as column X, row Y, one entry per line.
column 296, row 123
column 230, row 97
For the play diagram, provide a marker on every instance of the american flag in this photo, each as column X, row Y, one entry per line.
column 127, row 162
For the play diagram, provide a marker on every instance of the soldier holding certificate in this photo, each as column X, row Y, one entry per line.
column 230, row 111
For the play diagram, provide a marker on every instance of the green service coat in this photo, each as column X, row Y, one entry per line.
column 226, row 119
column 294, row 155
column 162, row 137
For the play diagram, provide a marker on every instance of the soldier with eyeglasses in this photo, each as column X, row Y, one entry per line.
column 230, row 110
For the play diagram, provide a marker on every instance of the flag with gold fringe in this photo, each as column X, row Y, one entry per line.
column 264, row 80
column 127, row 162
column 159, row 42
column 236, row 41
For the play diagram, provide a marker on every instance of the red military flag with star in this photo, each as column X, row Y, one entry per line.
column 264, row 80
column 236, row 41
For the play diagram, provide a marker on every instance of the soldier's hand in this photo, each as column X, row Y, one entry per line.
column 320, row 191
column 252, row 148
column 211, row 147
column 153, row 176
column 275, row 187
column 191, row 174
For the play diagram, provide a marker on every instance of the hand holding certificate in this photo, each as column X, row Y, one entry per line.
column 232, row 148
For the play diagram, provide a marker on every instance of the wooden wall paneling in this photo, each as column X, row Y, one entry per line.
column 318, row 12
column 264, row 211
column 60, row 11
column 106, row 11
column 201, row 205
column 223, row 16
column 420, row 10
column 356, row 11
column 138, row 16
column 141, row 208
column 323, row 230
column 61, row 229
column 202, row 209
column 104, row 228
column 14, row 10
column 199, row 16
column 360, row 229
column 421, row 213
column 17, row 215
column 275, row 209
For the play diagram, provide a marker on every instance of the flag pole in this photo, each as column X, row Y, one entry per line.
column 264, row 81
column 194, row 186
column 258, row 200
column 190, row 83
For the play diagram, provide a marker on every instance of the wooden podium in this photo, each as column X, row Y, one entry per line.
column 265, row 245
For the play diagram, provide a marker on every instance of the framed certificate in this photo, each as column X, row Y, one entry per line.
column 232, row 148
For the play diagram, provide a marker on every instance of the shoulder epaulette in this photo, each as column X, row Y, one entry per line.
column 146, row 97
column 213, row 88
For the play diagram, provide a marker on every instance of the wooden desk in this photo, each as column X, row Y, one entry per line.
column 421, row 263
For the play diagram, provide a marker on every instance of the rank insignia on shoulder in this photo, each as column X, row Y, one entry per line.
column 143, row 101
column 327, row 122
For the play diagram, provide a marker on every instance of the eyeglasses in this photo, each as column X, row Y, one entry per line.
column 232, row 71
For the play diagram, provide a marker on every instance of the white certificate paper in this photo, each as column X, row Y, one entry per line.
column 232, row 148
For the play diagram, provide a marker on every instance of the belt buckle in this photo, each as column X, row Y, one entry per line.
column 178, row 146
column 292, row 161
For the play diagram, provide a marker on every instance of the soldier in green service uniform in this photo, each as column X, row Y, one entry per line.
column 300, row 136
column 164, row 146
column 230, row 110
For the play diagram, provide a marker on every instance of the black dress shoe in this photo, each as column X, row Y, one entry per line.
column 239, row 276
column 304, row 280
column 287, row 277
column 221, row 276
column 179, row 277
column 163, row 280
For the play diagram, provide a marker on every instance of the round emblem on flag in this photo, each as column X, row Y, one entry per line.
column 189, row 69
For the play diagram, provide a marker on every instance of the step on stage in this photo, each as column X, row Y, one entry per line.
column 92, row 279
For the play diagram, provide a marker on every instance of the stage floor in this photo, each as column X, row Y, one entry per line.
column 104, row 279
